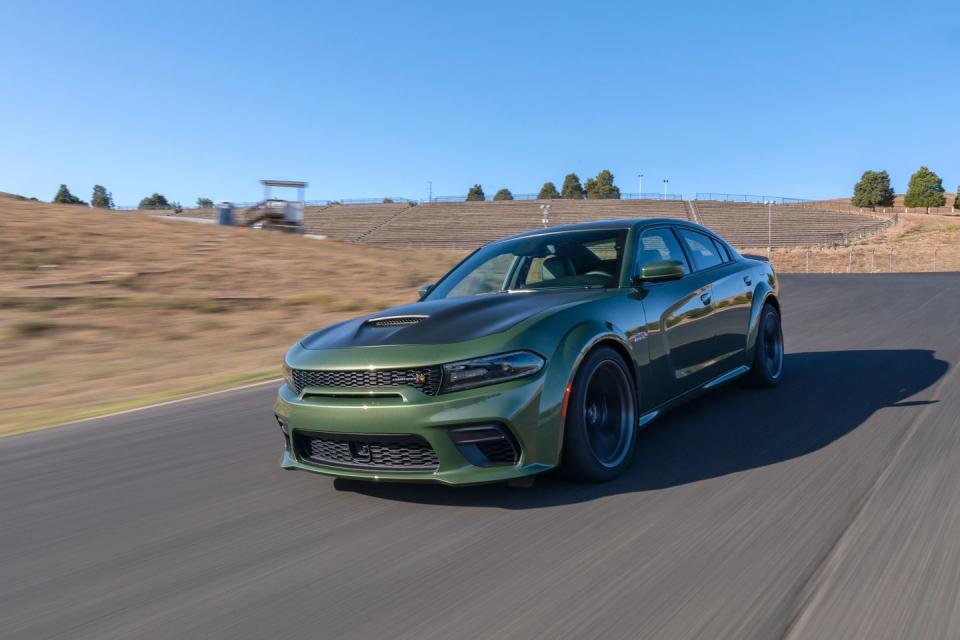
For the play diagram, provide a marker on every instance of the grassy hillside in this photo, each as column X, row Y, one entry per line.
column 102, row 311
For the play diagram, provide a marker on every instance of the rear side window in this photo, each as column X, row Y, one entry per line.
column 660, row 244
column 724, row 254
column 701, row 249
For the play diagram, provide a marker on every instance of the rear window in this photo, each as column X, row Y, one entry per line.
column 701, row 248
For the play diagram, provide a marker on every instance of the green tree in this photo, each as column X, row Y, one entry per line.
column 155, row 201
column 204, row 203
column 101, row 197
column 602, row 187
column 476, row 194
column 925, row 190
column 548, row 192
column 503, row 194
column 65, row 197
column 572, row 189
column 873, row 190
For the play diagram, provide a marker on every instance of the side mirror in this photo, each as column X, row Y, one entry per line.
column 424, row 290
column 660, row 271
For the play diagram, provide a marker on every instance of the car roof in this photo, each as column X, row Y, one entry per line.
column 612, row 224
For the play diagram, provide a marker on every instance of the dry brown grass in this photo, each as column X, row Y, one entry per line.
column 920, row 242
column 102, row 311
column 897, row 201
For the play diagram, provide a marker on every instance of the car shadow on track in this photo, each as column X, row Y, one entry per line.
column 824, row 396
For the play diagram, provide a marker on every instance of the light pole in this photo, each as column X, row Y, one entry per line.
column 640, row 175
column 429, row 190
column 665, row 183
column 769, row 204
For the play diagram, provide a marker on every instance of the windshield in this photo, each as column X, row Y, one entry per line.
column 564, row 260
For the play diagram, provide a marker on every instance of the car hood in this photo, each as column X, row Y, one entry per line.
column 446, row 320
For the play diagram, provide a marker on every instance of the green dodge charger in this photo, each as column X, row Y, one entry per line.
column 549, row 348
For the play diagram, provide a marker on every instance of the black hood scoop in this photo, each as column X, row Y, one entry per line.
column 396, row 321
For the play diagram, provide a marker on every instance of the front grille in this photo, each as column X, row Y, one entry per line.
column 426, row 379
column 370, row 452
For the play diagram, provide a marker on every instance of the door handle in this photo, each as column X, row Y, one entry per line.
column 705, row 298
column 747, row 281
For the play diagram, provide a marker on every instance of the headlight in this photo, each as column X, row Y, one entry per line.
column 288, row 376
column 478, row 372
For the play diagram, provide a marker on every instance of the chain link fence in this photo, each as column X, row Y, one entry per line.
column 867, row 260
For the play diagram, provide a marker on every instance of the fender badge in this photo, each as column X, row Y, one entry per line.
column 638, row 336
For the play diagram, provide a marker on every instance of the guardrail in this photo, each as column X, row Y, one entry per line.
column 742, row 197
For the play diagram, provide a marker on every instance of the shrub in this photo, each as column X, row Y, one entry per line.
column 503, row 194
column 476, row 194
column 548, row 192
column 204, row 203
column 155, row 201
column 65, row 197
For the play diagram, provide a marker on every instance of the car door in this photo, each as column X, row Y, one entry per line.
column 680, row 322
column 732, row 298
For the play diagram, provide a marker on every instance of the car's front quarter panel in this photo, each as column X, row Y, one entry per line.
column 530, row 407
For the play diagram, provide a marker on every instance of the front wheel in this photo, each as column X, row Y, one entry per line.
column 767, row 367
column 600, row 429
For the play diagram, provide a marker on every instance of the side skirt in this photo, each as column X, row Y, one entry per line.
column 722, row 378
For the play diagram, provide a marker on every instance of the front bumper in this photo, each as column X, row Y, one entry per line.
column 514, row 405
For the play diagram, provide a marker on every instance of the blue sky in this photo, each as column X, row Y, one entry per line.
column 376, row 98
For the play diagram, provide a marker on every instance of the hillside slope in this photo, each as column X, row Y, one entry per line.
column 101, row 310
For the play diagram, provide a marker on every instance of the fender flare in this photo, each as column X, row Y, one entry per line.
column 763, row 294
column 574, row 347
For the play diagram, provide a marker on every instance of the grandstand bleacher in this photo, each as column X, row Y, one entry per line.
column 467, row 225
column 744, row 224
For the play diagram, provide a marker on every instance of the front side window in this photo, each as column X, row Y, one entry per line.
column 660, row 244
column 562, row 260
column 701, row 249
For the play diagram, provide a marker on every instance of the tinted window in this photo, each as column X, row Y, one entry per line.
column 701, row 249
column 724, row 254
column 660, row 244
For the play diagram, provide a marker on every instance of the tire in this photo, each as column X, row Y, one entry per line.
column 766, row 371
column 600, row 429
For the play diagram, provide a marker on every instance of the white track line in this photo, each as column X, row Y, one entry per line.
column 163, row 404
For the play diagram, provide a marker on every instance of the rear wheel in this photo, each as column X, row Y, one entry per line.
column 767, row 368
column 600, row 429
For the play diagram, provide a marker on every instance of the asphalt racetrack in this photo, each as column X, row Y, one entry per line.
column 827, row 508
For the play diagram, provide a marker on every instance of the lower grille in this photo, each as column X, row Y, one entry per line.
column 368, row 452
column 498, row 451
column 486, row 445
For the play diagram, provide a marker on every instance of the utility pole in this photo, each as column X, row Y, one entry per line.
column 769, row 204
column 640, row 175
column 666, row 181
column 429, row 190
